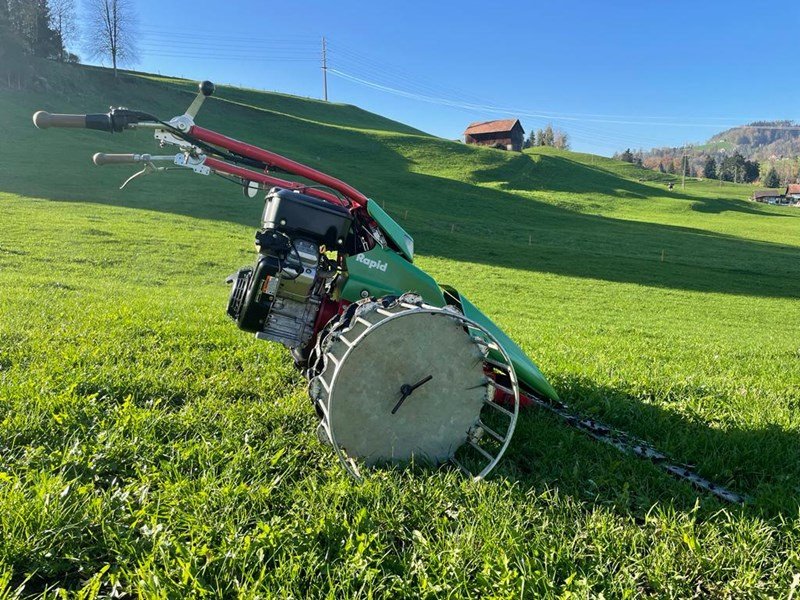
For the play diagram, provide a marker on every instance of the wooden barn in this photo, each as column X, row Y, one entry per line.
column 504, row 133
column 769, row 197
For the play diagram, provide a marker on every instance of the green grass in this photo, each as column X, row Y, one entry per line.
column 147, row 445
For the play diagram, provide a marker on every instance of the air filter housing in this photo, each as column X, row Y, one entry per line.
column 306, row 217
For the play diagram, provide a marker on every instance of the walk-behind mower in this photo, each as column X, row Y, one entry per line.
column 400, row 368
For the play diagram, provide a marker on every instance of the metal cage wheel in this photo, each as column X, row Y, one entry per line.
column 400, row 380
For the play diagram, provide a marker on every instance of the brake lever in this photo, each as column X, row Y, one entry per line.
column 180, row 161
column 148, row 169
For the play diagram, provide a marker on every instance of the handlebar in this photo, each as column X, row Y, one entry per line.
column 204, row 151
column 114, row 121
column 44, row 120
column 102, row 158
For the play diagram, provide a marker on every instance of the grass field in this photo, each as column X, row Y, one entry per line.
column 148, row 446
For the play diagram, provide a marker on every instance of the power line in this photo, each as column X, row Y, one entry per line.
column 229, row 57
column 209, row 38
column 324, row 70
column 575, row 129
column 305, row 49
column 380, row 70
column 377, row 74
column 538, row 114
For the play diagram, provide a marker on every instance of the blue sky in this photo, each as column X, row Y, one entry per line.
column 611, row 74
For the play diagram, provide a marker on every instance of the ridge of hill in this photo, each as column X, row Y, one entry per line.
column 148, row 446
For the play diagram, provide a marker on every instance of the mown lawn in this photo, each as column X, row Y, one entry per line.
column 148, row 446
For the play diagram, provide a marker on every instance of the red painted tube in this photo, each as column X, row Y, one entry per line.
column 221, row 166
column 281, row 162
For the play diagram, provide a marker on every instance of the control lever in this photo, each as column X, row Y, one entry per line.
column 206, row 89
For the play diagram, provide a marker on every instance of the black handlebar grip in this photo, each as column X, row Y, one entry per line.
column 101, row 122
column 101, row 159
column 43, row 120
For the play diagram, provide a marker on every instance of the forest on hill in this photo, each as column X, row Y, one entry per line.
column 767, row 152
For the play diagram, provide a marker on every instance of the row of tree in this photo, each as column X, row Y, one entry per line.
column 548, row 137
column 49, row 29
column 734, row 168
column 679, row 161
column 770, row 147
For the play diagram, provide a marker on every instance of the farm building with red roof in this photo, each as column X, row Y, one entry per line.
column 503, row 133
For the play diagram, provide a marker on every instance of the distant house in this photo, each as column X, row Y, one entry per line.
column 793, row 192
column 505, row 133
column 769, row 197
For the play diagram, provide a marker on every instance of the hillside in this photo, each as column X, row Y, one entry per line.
column 773, row 144
column 145, row 442
column 763, row 140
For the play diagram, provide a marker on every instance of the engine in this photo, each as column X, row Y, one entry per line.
column 279, row 297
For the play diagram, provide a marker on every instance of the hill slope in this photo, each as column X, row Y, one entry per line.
column 140, row 430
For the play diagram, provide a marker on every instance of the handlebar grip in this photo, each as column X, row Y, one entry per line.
column 101, row 159
column 43, row 120
column 101, row 122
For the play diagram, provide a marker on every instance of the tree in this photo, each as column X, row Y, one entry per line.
column 735, row 168
column 45, row 42
column 550, row 137
column 710, row 168
column 63, row 22
column 530, row 140
column 627, row 156
column 751, row 171
column 24, row 32
column 661, row 168
column 30, row 21
column 22, row 21
column 686, row 168
column 546, row 136
column 110, row 31
column 771, row 180
column 12, row 50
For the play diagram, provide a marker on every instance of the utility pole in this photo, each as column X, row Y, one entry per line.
column 684, row 165
column 324, row 70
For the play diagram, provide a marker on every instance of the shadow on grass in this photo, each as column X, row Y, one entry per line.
column 763, row 464
column 497, row 228
column 542, row 172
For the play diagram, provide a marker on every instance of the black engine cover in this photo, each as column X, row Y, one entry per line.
column 307, row 217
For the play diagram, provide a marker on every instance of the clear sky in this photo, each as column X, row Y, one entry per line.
column 611, row 74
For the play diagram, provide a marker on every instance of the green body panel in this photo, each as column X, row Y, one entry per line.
column 383, row 272
column 392, row 230
column 527, row 372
